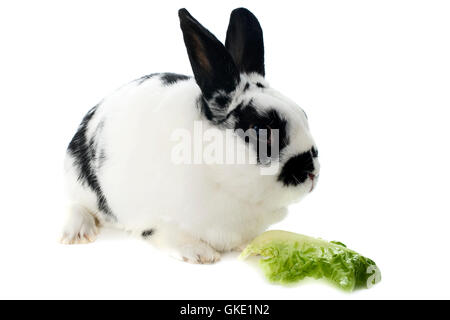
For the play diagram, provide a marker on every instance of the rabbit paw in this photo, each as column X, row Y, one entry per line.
column 80, row 227
column 199, row 253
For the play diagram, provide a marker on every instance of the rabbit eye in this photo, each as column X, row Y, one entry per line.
column 259, row 129
column 267, row 134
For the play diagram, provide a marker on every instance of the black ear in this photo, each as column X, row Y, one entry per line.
column 245, row 41
column 211, row 63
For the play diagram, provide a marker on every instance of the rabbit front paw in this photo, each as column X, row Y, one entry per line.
column 198, row 253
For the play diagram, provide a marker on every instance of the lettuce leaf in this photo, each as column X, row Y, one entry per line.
column 289, row 257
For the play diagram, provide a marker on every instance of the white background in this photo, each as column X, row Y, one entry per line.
column 373, row 77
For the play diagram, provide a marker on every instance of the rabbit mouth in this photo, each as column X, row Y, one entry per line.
column 313, row 179
column 313, row 185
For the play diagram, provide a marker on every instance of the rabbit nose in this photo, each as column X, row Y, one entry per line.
column 312, row 176
column 297, row 169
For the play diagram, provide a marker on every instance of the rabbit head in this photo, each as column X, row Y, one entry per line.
column 236, row 97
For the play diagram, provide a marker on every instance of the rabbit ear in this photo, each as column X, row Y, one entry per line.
column 211, row 63
column 245, row 41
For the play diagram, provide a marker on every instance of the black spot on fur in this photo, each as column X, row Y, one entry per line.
column 147, row 233
column 314, row 152
column 260, row 85
column 215, row 109
column 247, row 86
column 295, row 171
column 172, row 78
column 145, row 78
column 222, row 100
column 166, row 78
column 84, row 152
column 249, row 118
column 205, row 109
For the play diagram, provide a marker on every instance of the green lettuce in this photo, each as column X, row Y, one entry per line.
column 289, row 257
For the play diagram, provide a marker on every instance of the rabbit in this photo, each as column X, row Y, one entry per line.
column 120, row 169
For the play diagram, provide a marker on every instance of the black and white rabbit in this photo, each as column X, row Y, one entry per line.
column 120, row 168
